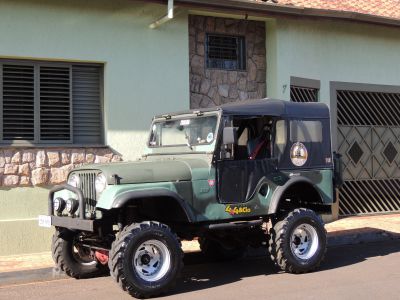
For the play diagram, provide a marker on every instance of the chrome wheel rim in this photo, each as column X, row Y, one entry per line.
column 304, row 241
column 152, row 260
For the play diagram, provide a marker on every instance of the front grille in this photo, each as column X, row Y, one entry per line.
column 87, row 185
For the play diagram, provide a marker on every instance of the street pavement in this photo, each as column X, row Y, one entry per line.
column 362, row 271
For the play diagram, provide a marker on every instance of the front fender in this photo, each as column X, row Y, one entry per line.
column 118, row 195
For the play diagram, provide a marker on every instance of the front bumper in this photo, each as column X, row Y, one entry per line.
column 80, row 222
column 72, row 223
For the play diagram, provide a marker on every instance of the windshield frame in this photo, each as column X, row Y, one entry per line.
column 183, row 148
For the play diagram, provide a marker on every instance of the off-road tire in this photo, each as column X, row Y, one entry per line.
column 280, row 239
column 62, row 253
column 217, row 251
column 123, row 250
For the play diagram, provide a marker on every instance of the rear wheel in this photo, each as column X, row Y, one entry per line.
column 146, row 259
column 72, row 258
column 298, row 242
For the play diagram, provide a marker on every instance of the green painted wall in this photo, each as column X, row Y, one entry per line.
column 19, row 230
column 330, row 51
column 146, row 70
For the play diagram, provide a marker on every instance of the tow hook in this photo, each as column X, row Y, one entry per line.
column 102, row 256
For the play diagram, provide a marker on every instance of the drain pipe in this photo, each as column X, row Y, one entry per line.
column 169, row 16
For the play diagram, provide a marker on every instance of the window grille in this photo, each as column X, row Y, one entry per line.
column 226, row 52
column 303, row 94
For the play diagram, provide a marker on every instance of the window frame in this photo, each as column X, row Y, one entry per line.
column 241, row 49
column 37, row 141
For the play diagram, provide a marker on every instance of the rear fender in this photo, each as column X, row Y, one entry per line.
column 280, row 190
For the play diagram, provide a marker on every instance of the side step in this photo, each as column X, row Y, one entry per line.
column 235, row 225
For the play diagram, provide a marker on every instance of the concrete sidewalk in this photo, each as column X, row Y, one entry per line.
column 351, row 230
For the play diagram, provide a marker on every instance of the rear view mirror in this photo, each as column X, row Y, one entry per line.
column 229, row 135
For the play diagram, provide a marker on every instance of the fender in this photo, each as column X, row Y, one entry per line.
column 276, row 196
column 126, row 197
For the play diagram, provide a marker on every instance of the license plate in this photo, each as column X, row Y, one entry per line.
column 44, row 221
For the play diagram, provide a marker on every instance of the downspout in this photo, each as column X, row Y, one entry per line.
column 169, row 16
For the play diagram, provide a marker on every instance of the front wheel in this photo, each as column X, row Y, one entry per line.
column 72, row 257
column 298, row 242
column 146, row 258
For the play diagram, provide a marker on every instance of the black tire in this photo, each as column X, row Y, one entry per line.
column 64, row 252
column 217, row 251
column 126, row 247
column 286, row 248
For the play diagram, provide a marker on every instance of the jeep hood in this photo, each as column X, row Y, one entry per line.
column 152, row 171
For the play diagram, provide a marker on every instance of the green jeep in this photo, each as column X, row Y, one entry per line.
column 256, row 173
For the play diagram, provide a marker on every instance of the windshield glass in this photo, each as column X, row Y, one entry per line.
column 188, row 131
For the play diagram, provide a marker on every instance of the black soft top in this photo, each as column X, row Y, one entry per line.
column 277, row 108
column 270, row 107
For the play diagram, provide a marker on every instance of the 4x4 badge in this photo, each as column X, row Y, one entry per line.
column 237, row 210
column 298, row 154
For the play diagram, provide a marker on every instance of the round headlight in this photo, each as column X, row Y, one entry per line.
column 59, row 204
column 100, row 183
column 71, row 206
column 74, row 180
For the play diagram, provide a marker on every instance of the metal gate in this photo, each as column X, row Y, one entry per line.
column 369, row 141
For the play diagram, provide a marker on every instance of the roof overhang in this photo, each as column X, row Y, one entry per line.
column 244, row 7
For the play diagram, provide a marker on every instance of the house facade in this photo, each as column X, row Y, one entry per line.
column 80, row 82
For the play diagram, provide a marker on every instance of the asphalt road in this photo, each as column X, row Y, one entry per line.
column 369, row 271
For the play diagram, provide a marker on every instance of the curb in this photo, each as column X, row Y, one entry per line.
column 29, row 276
column 354, row 237
column 335, row 239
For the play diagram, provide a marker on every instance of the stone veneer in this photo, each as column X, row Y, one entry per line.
column 209, row 87
column 27, row 167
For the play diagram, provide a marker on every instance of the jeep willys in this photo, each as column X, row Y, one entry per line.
column 255, row 173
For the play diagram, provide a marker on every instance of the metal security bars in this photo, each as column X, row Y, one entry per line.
column 303, row 94
column 225, row 52
column 369, row 141
column 49, row 103
column 368, row 108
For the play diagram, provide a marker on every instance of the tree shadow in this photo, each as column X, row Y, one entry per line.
column 200, row 273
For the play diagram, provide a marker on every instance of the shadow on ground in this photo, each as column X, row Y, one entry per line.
column 199, row 274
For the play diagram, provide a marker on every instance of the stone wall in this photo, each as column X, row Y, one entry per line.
column 27, row 167
column 210, row 87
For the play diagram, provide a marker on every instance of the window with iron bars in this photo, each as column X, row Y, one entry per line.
column 303, row 94
column 304, row 90
column 225, row 52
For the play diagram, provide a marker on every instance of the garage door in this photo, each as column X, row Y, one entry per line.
column 369, row 141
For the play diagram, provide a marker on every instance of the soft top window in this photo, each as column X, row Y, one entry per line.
column 305, row 131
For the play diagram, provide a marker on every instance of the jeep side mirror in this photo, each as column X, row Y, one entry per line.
column 229, row 135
